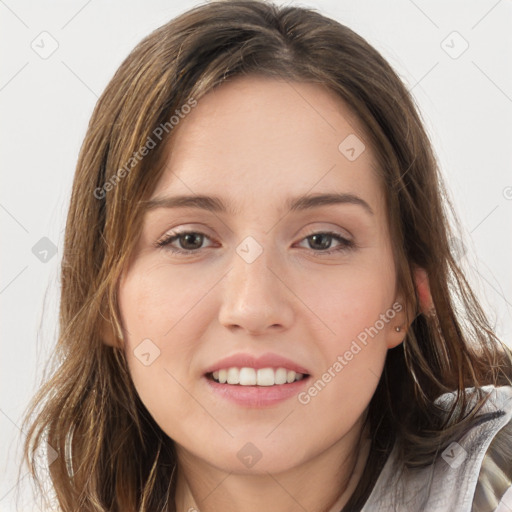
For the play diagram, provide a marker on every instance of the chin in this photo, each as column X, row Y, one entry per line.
column 250, row 455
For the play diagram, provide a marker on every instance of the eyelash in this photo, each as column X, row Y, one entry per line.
column 345, row 245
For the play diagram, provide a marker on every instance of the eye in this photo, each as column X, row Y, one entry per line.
column 323, row 240
column 191, row 242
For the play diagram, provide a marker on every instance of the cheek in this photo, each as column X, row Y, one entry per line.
column 160, row 317
column 348, row 299
column 155, row 299
column 356, row 310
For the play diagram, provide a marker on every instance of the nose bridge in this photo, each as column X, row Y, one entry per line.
column 254, row 297
column 251, row 273
column 254, row 269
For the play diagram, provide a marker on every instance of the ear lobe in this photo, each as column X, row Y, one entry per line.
column 107, row 333
column 422, row 284
column 426, row 306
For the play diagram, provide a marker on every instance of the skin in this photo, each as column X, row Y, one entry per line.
column 255, row 142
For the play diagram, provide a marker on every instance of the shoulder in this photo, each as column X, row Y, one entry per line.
column 482, row 459
column 493, row 491
column 472, row 474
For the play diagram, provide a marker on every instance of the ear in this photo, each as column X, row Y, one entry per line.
column 422, row 283
column 108, row 334
column 405, row 316
column 397, row 327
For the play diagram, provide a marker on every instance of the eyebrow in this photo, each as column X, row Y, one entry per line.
column 215, row 204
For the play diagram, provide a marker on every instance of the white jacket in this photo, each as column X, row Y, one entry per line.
column 471, row 475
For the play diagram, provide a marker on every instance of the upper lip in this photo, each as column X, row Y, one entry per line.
column 267, row 360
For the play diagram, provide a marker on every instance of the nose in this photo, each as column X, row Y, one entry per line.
column 256, row 297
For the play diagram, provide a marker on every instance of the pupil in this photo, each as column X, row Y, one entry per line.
column 190, row 237
column 326, row 244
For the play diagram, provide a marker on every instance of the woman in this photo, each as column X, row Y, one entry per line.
column 259, row 305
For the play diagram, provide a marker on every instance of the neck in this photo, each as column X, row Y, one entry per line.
column 323, row 484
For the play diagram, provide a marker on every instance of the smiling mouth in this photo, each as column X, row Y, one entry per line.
column 246, row 376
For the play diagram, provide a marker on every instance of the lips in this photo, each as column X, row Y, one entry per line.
column 251, row 377
column 250, row 391
column 267, row 360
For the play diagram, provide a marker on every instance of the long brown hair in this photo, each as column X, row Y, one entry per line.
column 111, row 454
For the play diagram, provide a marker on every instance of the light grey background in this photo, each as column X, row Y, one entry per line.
column 465, row 100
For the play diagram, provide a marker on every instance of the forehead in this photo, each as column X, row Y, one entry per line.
column 256, row 138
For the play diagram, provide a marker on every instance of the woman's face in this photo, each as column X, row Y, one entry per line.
column 262, row 283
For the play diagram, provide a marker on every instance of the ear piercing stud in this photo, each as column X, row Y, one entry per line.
column 398, row 328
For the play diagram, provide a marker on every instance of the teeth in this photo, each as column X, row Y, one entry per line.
column 252, row 377
column 233, row 376
column 280, row 376
column 265, row 377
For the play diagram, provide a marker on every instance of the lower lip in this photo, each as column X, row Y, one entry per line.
column 257, row 396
